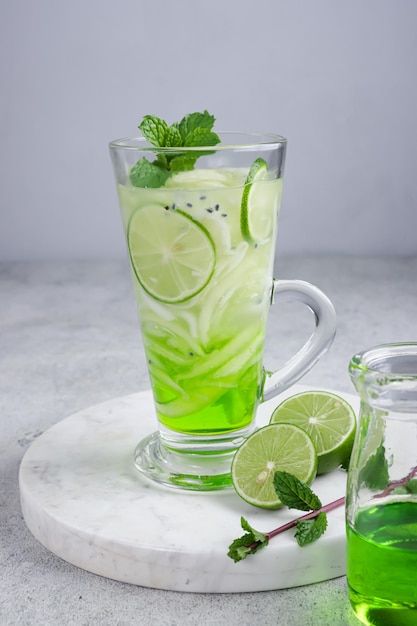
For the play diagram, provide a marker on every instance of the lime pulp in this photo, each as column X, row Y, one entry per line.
column 327, row 418
column 276, row 447
column 172, row 254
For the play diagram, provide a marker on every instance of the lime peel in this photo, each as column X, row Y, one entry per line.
column 256, row 220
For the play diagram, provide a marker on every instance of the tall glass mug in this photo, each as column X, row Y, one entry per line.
column 201, row 246
column 381, row 508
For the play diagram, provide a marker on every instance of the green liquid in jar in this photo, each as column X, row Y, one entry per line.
column 382, row 564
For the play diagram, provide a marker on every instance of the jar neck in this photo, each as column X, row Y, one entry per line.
column 386, row 377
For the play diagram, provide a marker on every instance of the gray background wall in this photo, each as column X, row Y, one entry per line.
column 337, row 78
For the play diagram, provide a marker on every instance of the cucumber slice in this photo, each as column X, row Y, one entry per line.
column 218, row 358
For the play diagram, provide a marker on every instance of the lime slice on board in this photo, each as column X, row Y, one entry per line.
column 328, row 419
column 272, row 448
column 172, row 254
column 257, row 210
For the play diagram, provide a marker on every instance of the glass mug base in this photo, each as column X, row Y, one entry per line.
column 189, row 463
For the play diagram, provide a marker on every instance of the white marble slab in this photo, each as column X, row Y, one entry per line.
column 83, row 499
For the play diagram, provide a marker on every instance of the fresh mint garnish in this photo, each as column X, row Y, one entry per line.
column 183, row 163
column 310, row 530
column 249, row 543
column 294, row 493
column 147, row 174
column 193, row 130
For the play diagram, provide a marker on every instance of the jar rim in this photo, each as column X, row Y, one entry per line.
column 390, row 362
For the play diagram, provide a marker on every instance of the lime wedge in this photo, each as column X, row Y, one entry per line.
column 257, row 210
column 275, row 447
column 328, row 419
column 172, row 254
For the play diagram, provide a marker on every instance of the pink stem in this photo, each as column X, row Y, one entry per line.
column 307, row 516
column 397, row 483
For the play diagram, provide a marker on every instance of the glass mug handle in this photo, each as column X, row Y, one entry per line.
column 318, row 343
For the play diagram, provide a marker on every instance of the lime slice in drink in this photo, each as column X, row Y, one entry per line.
column 172, row 254
column 257, row 211
column 328, row 419
column 275, row 447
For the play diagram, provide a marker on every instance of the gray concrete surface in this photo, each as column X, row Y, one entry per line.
column 69, row 338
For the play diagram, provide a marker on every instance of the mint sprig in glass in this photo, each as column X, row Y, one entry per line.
column 200, row 210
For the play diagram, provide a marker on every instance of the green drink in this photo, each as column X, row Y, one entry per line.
column 382, row 564
column 203, row 292
column 200, row 216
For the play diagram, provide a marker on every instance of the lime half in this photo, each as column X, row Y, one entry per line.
column 275, row 447
column 328, row 419
column 257, row 211
column 172, row 254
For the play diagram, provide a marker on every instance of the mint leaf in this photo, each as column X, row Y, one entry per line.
column 310, row 530
column 173, row 137
column 241, row 547
column 195, row 120
column 154, row 129
column 411, row 486
column 201, row 137
column 258, row 536
column 182, row 163
column 161, row 161
column 374, row 473
column 146, row 174
column 294, row 493
column 249, row 543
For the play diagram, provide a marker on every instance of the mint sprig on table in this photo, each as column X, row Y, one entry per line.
column 310, row 527
column 195, row 129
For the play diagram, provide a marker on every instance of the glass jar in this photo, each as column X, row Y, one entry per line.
column 381, row 506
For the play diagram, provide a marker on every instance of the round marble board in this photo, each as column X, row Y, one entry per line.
column 83, row 499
